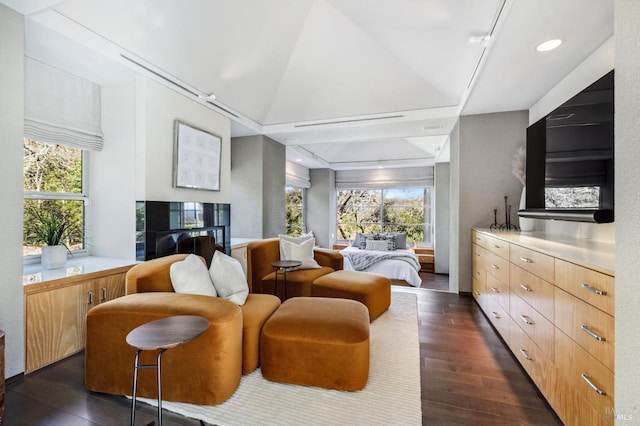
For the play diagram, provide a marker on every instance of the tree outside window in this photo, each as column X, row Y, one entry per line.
column 385, row 210
column 53, row 185
column 294, row 204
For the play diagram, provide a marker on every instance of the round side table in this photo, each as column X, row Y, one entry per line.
column 161, row 335
column 284, row 266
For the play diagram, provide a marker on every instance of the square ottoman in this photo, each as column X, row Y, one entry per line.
column 373, row 290
column 316, row 341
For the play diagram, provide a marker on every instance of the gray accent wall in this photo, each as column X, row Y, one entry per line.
column 627, row 233
column 11, row 187
column 486, row 147
column 258, row 179
column 442, row 188
column 321, row 206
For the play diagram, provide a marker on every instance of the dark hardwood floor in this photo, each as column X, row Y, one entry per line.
column 468, row 377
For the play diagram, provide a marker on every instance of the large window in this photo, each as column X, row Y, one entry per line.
column 386, row 210
column 54, row 188
column 294, row 210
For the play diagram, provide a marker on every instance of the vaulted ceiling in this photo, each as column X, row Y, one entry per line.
column 342, row 83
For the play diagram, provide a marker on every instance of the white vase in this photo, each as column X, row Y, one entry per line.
column 526, row 223
column 53, row 257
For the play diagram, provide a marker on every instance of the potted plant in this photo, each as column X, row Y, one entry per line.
column 49, row 228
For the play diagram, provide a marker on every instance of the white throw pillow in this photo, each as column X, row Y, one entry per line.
column 228, row 278
column 297, row 240
column 191, row 276
column 302, row 252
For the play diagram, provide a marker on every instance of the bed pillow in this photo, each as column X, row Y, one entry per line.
column 302, row 238
column 228, row 278
column 400, row 239
column 302, row 252
column 361, row 239
column 191, row 276
column 379, row 245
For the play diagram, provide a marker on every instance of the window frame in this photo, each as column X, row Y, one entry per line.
column 428, row 205
column 303, row 208
column 71, row 196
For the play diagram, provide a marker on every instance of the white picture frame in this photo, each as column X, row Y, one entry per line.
column 196, row 158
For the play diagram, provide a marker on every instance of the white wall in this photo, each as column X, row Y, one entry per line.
column 111, row 222
column 454, row 206
column 442, row 213
column 161, row 107
column 487, row 144
column 595, row 66
column 11, row 187
column 627, row 175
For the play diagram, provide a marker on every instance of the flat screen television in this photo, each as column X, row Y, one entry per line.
column 569, row 163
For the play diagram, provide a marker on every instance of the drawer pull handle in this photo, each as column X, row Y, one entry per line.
column 90, row 301
column 526, row 319
column 495, row 266
column 591, row 385
column 525, row 354
column 477, row 293
column 495, row 315
column 594, row 290
column 525, row 288
column 592, row 334
column 495, row 245
column 524, row 259
column 495, row 290
column 104, row 294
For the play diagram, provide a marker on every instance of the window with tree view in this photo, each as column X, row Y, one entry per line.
column 53, row 195
column 294, row 210
column 385, row 210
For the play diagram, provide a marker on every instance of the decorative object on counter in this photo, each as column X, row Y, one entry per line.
column 495, row 220
column 519, row 171
column 507, row 225
column 51, row 229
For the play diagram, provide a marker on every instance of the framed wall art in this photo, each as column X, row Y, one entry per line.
column 196, row 158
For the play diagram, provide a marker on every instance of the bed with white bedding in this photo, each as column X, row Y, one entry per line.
column 399, row 264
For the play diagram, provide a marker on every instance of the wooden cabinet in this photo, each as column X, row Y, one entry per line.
column 556, row 316
column 55, row 313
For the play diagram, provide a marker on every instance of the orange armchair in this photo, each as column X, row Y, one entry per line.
column 262, row 276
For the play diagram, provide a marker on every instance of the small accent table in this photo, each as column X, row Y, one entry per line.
column 284, row 266
column 160, row 335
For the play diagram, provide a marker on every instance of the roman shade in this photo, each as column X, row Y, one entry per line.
column 410, row 177
column 298, row 176
column 61, row 108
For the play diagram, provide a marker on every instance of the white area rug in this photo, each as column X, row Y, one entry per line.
column 391, row 396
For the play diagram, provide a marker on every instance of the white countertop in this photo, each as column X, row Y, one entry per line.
column 33, row 273
column 585, row 252
column 240, row 242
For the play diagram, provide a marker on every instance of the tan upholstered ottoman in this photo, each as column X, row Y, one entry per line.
column 316, row 341
column 371, row 289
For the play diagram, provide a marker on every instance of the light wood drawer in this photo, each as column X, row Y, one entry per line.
column 531, row 357
column 498, row 317
column 497, row 267
column 572, row 407
column 534, row 290
column 537, row 327
column 593, row 380
column 479, row 291
column 589, row 327
column 537, row 263
column 593, row 287
column 492, row 244
column 499, row 291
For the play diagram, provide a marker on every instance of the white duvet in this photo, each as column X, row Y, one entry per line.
column 392, row 268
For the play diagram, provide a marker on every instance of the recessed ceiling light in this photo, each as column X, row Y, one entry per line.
column 545, row 46
column 298, row 159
